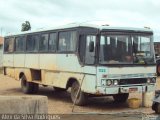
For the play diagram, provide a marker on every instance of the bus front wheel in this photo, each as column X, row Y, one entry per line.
column 28, row 87
column 121, row 97
column 80, row 98
column 156, row 107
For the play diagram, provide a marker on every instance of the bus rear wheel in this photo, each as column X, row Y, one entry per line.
column 81, row 98
column 121, row 97
column 28, row 87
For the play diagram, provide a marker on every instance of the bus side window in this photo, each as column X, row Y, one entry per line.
column 9, row 45
column 67, row 41
column 19, row 44
column 32, row 43
column 52, row 42
column 43, row 43
column 90, row 55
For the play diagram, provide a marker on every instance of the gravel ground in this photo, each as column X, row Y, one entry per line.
column 60, row 102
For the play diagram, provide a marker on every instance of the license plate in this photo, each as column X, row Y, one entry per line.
column 133, row 89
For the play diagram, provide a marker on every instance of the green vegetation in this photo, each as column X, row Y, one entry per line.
column 26, row 26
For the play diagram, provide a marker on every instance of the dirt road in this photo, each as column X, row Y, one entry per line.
column 60, row 102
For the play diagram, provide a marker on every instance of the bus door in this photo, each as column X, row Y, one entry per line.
column 87, row 56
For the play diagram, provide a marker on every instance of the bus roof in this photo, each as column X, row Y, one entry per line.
column 76, row 25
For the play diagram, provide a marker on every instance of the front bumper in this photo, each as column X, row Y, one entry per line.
column 126, row 89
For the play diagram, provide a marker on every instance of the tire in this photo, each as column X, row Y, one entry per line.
column 35, row 88
column 81, row 98
column 57, row 89
column 154, row 106
column 157, row 108
column 121, row 97
column 28, row 87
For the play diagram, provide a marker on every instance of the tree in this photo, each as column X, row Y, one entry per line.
column 26, row 26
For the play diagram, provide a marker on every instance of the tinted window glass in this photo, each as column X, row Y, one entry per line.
column 67, row 41
column 52, row 42
column 9, row 45
column 43, row 43
column 32, row 43
column 19, row 41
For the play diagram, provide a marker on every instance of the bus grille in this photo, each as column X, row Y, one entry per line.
column 132, row 81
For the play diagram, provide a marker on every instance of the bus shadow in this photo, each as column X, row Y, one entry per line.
column 106, row 103
column 101, row 103
column 62, row 96
column 94, row 103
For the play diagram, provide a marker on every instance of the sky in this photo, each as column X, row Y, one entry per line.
column 51, row 13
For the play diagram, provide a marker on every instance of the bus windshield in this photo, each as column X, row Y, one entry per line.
column 126, row 49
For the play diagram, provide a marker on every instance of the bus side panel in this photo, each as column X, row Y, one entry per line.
column 89, row 84
column 28, row 74
column 8, row 60
column 10, row 71
column 57, row 69
column 25, row 71
column 48, row 68
column 48, row 61
column 8, row 64
column 48, row 77
column 32, row 61
column 64, row 77
column 67, row 67
column 19, row 60
column 15, row 73
column 18, row 71
column 68, row 63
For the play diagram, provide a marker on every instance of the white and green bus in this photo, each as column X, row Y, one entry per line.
column 94, row 60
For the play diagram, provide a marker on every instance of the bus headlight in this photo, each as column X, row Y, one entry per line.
column 109, row 82
column 115, row 82
column 148, row 80
column 153, row 80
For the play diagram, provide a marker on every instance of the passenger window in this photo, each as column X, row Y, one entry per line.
column 52, row 42
column 20, row 46
column 67, row 41
column 32, row 43
column 43, row 43
column 9, row 45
